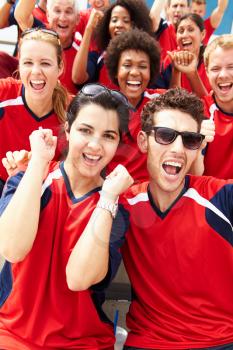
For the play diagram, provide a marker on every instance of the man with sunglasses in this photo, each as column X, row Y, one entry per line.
column 178, row 250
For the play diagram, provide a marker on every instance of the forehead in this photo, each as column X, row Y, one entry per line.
column 221, row 55
column 175, row 119
column 37, row 49
column 98, row 117
column 120, row 11
column 187, row 22
column 183, row 3
column 134, row 56
column 62, row 4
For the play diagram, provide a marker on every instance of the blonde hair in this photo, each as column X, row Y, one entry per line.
column 224, row 41
column 74, row 3
column 60, row 98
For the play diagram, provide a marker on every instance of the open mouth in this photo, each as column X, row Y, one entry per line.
column 37, row 84
column 186, row 44
column 91, row 159
column 135, row 84
column 225, row 87
column 172, row 168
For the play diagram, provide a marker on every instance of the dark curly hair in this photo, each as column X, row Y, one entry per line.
column 139, row 15
column 134, row 39
column 177, row 98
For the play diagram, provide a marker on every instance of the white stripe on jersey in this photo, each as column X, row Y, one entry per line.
column 56, row 174
column 151, row 95
column 141, row 197
column 13, row 102
column 192, row 193
column 75, row 46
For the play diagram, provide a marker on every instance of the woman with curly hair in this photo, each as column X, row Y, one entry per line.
column 133, row 62
column 119, row 17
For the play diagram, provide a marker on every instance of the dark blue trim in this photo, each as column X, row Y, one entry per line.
column 69, row 190
column 221, row 110
column 161, row 214
column 9, row 190
column 30, row 111
column 6, row 282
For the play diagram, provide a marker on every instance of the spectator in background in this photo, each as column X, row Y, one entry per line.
column 62, row 17
column 121, row 16
column 164, row 29
column 212, row 22
column 133, row 61
column 84, row 15
column 185, row 67
column 38, row 99
column 218, row 58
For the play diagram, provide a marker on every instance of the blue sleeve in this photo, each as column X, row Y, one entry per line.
column 92, row 66
column 119, row 227
column 162, row 26
column 164, row 78
column 12, row 20
column 9, row 190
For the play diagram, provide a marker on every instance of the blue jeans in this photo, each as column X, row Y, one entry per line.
column 221, row 347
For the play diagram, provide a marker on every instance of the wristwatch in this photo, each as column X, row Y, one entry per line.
column 111, row 207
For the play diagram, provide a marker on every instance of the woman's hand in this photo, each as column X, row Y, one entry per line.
column 16, row 161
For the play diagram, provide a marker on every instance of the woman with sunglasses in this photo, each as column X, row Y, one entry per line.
column 119, row 17
column 38, row 99
column 185, row 67
column 62, row 18
column 65, row 254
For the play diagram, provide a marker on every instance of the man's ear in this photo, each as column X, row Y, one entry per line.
column 142, row 141
column 66, row 127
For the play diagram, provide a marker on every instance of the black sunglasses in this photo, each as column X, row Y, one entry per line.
column 96, row 89
column 165, row 136
column 43, row 30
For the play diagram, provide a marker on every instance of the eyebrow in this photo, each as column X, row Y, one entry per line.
column 91, row 127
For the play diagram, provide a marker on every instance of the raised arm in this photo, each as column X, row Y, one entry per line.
column 4, row 13
column 79, row 69
column 89, row 260
column 186, row 62
column 19, row 220
column 218, row 13
column 155, row 13
column 207, row 129
column 23, row 13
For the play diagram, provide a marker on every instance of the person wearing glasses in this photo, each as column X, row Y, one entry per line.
column 178, row 249
column 67, row 250
column 120, row 16
column 62, row 17
column 37, row 99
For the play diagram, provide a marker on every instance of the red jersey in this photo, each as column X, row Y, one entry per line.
column 128, row 153
column 17, row 121
column 39, row 311
column 166, row 74
column 209, row 30
column 40, row 14
column 180, row 265
column 166, row 36
column 69, row 54
column 81, row 26
column 218, row 158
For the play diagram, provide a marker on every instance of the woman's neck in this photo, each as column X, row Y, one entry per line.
column 39, row 108
column 80, row 185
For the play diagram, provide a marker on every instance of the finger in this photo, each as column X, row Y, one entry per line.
column 10, row 159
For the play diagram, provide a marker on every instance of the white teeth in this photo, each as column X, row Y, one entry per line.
column 186, row 42
column 224, row 84
column 37, row 81
column 133, row 82
column 92, row 157
column 176, row 164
